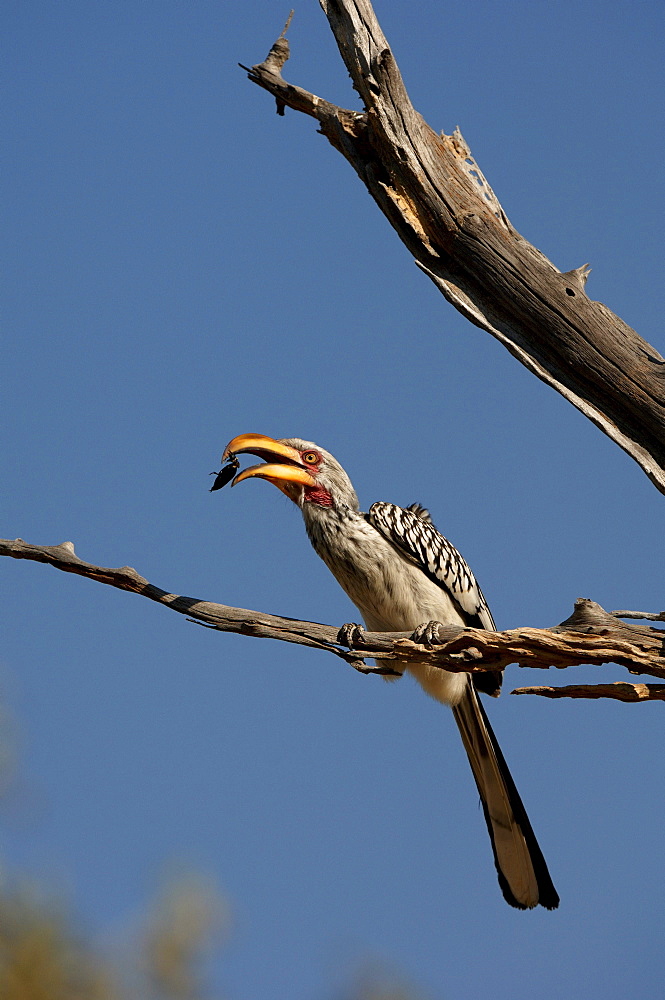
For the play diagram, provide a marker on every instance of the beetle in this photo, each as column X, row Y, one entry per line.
column 226, row 474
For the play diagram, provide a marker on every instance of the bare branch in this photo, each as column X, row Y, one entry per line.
column 619, row 691
column 217, row 616
column 590, row 635
column 658, row 616
column 268, row 75
column 436, row 198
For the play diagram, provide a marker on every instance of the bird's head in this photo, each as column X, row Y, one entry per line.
column 304, row 472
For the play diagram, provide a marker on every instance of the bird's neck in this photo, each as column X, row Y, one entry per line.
column 325, row 524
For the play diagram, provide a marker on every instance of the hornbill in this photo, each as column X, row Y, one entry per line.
column 403, row 575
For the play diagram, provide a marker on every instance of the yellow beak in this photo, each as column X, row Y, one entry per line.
column 284, row 475
column 260, row 445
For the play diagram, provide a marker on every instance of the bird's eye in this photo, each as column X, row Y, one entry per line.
column 310, row 457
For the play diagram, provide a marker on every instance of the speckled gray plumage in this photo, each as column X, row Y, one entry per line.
column 400, row 572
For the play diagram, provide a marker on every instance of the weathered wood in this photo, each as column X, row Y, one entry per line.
column 436, row 198
column 619, row 691
column 590, row 635
column 217, row 616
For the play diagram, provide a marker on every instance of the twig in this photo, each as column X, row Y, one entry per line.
column 619, row 691
column 651, row 616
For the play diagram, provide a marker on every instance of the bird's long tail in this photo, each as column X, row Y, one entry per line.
column 523, row 875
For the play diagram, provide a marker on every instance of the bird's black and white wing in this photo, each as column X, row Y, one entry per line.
column 411, row 530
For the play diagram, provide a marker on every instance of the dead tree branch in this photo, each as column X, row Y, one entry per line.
column 590, row 635
column 620, row 691
column 435, row 196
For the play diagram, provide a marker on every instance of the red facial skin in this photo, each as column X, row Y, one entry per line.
column 314, row 494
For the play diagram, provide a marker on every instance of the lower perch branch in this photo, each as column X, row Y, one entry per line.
column 590, row 635
column 620, row 691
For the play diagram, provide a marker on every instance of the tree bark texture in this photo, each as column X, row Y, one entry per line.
column 591, row 635
column 620, row 691
column 435, row 196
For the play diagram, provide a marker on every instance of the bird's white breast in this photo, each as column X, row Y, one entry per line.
column 390, row 592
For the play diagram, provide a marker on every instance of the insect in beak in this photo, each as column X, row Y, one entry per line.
column 226, row 474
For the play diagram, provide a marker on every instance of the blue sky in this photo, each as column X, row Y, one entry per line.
column 181, row 266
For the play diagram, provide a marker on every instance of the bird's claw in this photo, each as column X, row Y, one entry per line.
column 427, row 634
column 351, row 635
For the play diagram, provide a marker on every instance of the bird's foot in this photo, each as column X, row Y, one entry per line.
column 427, row 634
column 351, row 635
